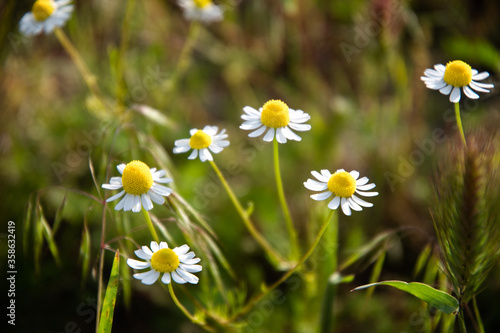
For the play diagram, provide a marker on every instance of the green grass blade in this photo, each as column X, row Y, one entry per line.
column 108, row 306
column 436, row 298
column 85, row 246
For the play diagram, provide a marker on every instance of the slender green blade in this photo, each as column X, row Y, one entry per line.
column 108, row 306
column 436, row 298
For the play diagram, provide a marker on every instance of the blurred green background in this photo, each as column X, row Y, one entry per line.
column 353, row 65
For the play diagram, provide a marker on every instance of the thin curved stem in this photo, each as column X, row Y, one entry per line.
column 150, row 226
column 459, row 123
column 284, row 206
column 267, row 290
column 183, row 62
column 186, row 312
column 246, row 220
column 88, row 77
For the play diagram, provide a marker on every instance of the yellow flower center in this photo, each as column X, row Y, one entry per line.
column 200, row 140
column 202, row 3
column 275, row 114
column 165, row 260
column 42, row 9
column 137, row 178
column 457, row 73
column 342, row 184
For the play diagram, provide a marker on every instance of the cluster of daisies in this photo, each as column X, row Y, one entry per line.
column 141, row 185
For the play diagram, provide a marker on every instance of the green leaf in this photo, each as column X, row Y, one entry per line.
column 108, row 306
column 436, row 298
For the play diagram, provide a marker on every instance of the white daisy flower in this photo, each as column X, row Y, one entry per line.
column 342, row 185
column 278, row 119
column 201, row 142
column 45, row 16
column 457, row 74
column 140, row 186
column 201, row 10
column 176, row 264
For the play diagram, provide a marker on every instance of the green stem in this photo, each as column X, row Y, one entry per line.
column 186, row 312
column 327, row 319
column 101, row 267
column 246, row 220
column 459, row 123
column 267, row 290
column 150, row 225
column 281, row 194
column 480, row 325
column 461, row 321
column 183, row 62
column 88, row 77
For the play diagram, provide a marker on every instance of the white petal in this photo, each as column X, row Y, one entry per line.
column 165, row 180
column 136, row 264
column 455, row 95
column 121, row 204
column 315, row 185
column 327, row 173
column 365, row 187
column 121, row 167
column 166, row 278
column 205, row 155
column 210, row 130
column 334, row 204
column 191, row 268
column 290, row 135
column 320, row 177
column 146, row 202
column 299, row 127
column 251, row 111
column 160, row 189
column 193, row 155
column 189, row 261
column 440, row 68
column 147, row 250
column 321, row 196
column 362, row 181
column 355, row 174
column 116, row 196
column 345, row 207
column 476, row 87
column 163, row 245
column 112, row 186
column 148, row 278
column 469, row 93
column 215, row 148
column 143, row 255
column 193, row 279
column 158, row 199
column 154, row 246
column 129, row 202
column 367, row 194
column 137, row 204
column 280, row 137
column 481, row 76
column 181, row 250
column 257, row 132
column 446, row 90
column 269, row 135
column 188, row 256
column 181, row 149
column 361, row 202
column 484, row 85
column 177, row 278
column 436, row 85
column 354, row 205
column 192, row 131
column 250, row 125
